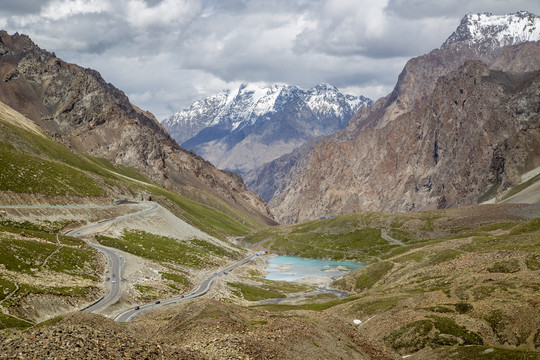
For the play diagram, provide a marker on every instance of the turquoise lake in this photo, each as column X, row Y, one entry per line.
column 291, row 268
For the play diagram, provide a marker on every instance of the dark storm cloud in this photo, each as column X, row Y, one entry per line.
column 165, row 54
column 418, row 9
column 21, row 7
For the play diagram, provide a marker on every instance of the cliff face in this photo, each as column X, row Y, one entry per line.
column 508, row 43
column 79, row 109
column 478, row 129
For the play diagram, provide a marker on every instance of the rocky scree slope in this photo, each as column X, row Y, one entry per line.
column 480, row 129
column 414, row 91
column 80, row 110
column 241, row 129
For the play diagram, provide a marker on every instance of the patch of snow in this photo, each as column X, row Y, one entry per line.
column 497, row 30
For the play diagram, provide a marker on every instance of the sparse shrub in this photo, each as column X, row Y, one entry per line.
column 533, row 262
column 495, row 319
column 448, row 326
column 507, row 266
column 537, row 339
column 436, row 331
column 371, row 274
column 440, row 309
column 463, row 307
column 410, row 337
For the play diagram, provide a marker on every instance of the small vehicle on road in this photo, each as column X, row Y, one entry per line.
column 158, row 302
column 137, row 307
column 182, row 296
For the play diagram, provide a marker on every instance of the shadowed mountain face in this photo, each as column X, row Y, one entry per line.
column 79, row 109
column 375, row 164
column 241, row 129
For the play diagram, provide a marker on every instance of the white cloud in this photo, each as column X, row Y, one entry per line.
column 168, row 12
column 60, row 9
column 165, row 54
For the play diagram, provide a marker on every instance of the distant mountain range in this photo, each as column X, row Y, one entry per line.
column 241, row 129
column 77, row 108
column 452, row 132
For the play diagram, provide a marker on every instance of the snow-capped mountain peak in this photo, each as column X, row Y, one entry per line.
column 249, row 103
column 496, row 30
column 257, row 116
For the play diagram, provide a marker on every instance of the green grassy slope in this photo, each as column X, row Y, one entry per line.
column 460, row 281
column 32, row 163
column 35, row 259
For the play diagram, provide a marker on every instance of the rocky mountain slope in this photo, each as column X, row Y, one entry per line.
column 241, row 129
column 79, row 109
column 351, row 171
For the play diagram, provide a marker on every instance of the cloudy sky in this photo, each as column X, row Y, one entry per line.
column 165, row 54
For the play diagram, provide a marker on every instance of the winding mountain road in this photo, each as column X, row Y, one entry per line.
column 201, row 290
column 114, row 260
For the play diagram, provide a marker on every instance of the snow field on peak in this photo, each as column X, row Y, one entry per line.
column 243, row 106
column 504, row 30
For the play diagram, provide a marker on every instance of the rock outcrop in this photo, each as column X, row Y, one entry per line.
column 479, row 129
column 369, row 165
column 79, row 109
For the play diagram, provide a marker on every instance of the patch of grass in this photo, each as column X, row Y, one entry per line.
column 21, row 255
column 284, row 286
column 147, row 292
column 179, row 282
column 506, row 267
column 518, row 188
column 483, row 292
column 475, row 352
column 257, row 323
column 327, row 243
column 6, row 288
column 448, row 326
column 443, row 256
column 26, row 173
column 416, row 256
column 50, row 322
column 43, row 226
column 371, row 274
column 410, row 337
column 402, row 235
column 435, row 331
column 254, row 293
column 429, row 219
column 533, row 262
column 496, row 321
column 440, row 309
column 74, row 261
column 376, row 305
column 194, row 253
column 492, row 191
column 310, row 307
column 8, row 321
column 463, row 307
column 527, row 227
column 218, row 220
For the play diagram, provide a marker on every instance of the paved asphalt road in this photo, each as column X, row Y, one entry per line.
column 201, row 290
column 115, row 261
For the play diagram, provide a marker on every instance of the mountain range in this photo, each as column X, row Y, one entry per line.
column 78, row 109
column 452, row 132
column 241, row 129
